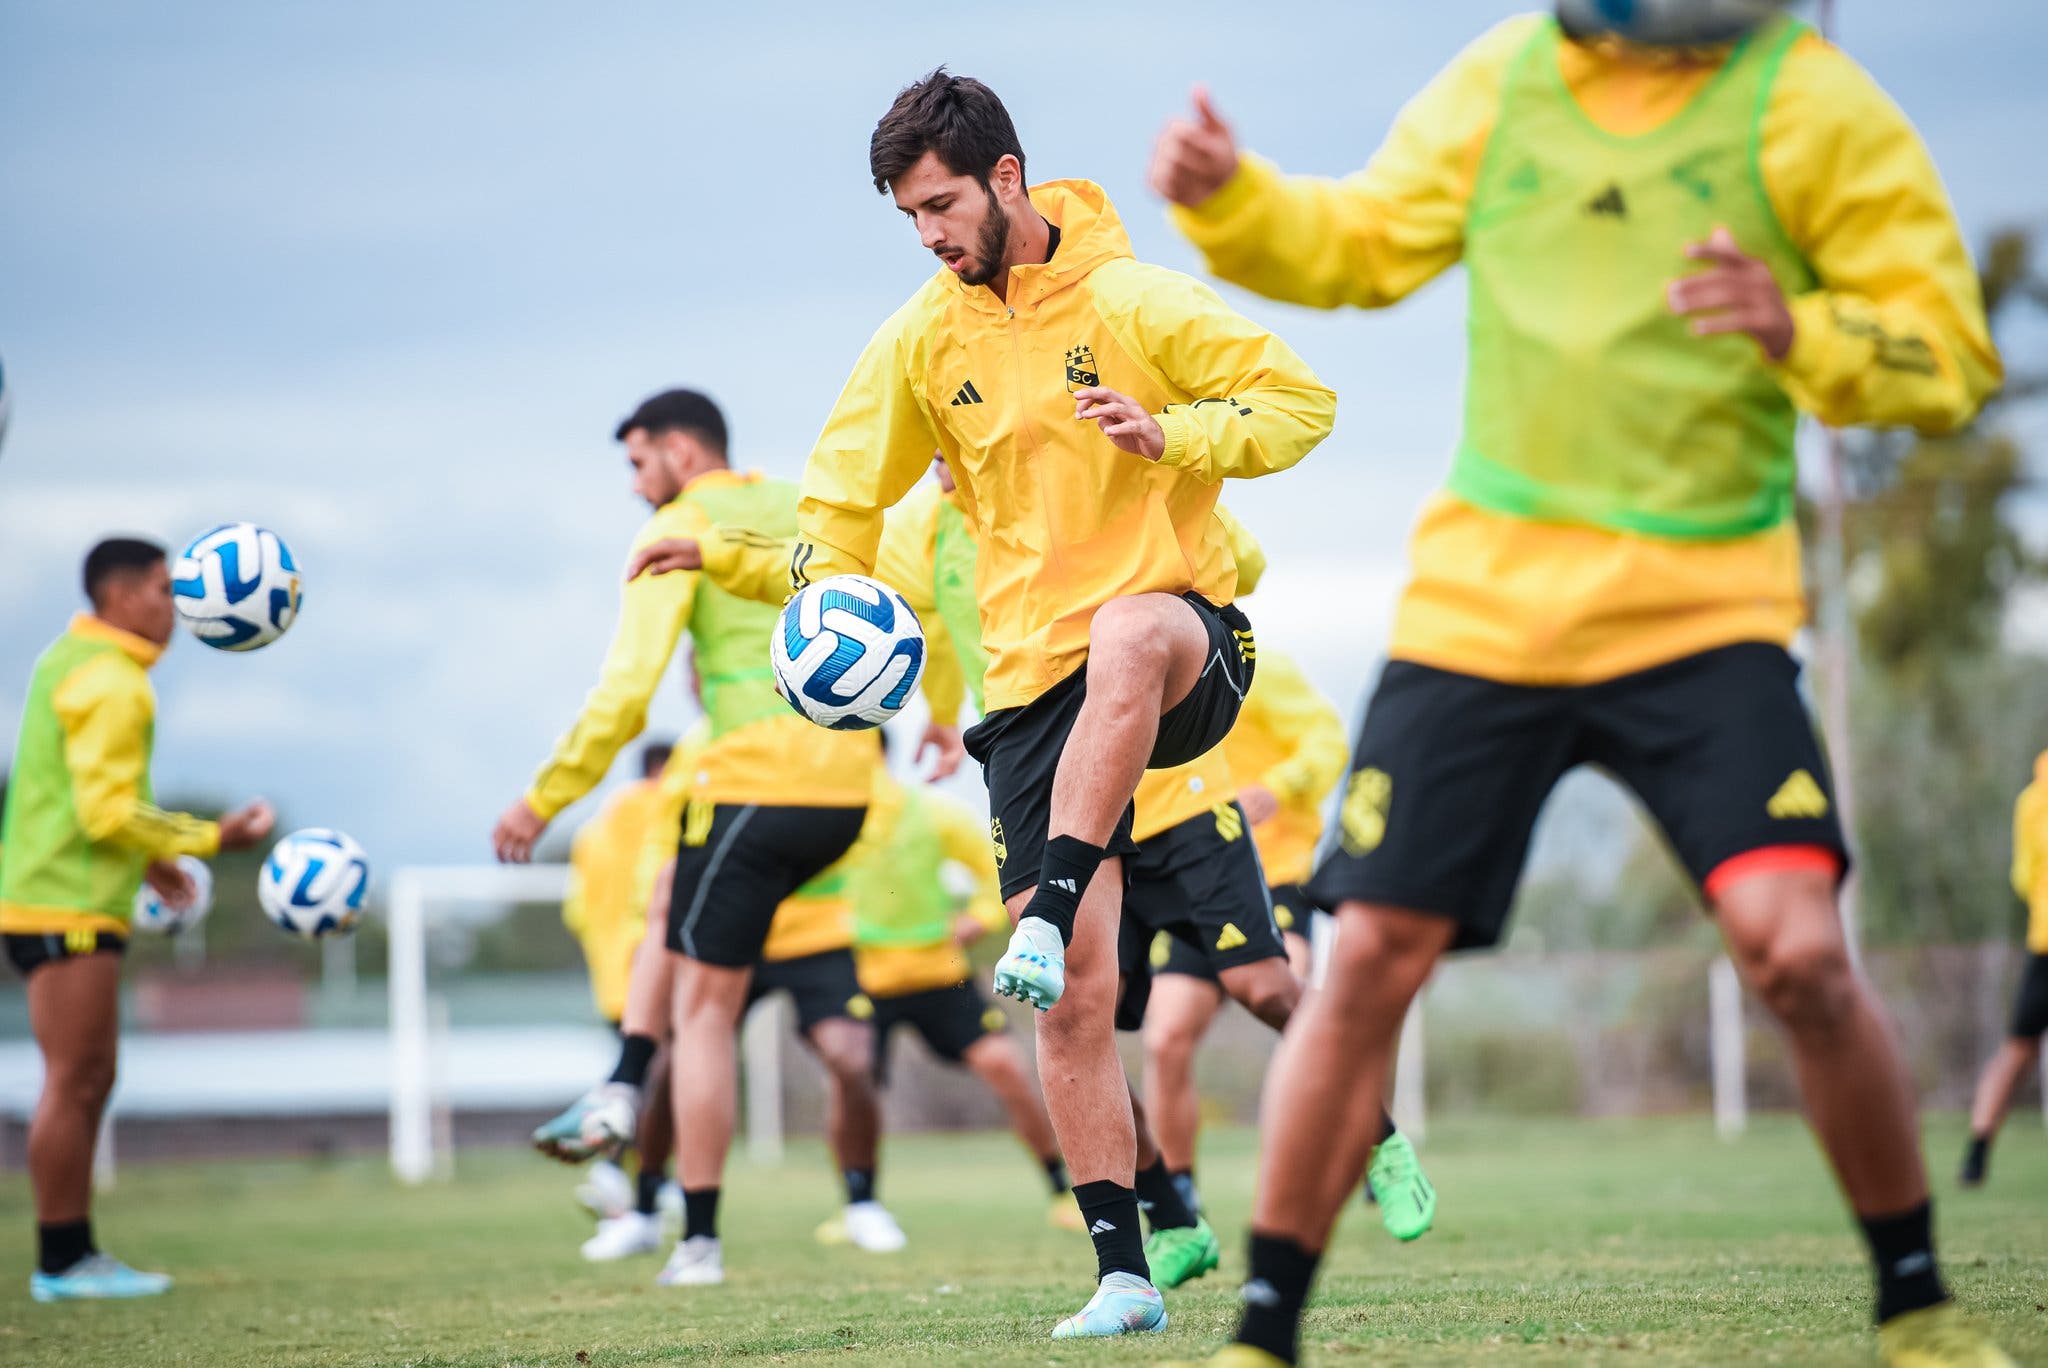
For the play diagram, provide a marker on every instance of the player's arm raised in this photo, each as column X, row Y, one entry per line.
column 876, row 445
column 1253, row 407
column 1368, row 239
column 1895, row 333
column 653, row 612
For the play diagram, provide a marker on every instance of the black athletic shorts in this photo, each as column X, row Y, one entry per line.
column 949, row 1019
column 1019, row 748
column 2030, row 1007
column 1450, row 772
column 1200, row 883
column 822, row 986
column 739, row 868
column 30, row 952
column 1172, row 955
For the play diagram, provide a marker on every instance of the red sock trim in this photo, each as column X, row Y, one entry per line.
column 1775, row 859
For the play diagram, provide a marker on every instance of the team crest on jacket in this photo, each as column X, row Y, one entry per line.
column 1081, row 368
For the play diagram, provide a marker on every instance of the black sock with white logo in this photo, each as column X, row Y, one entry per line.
column 1281, row 1273
column 1902, row 1246
column 1159, row 1198
column 1063, row 877
column 1111, row 1211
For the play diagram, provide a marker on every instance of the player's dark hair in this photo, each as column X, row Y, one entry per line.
column 117, row 556
column 678, row 410
column 654, row 757
column 956, row 117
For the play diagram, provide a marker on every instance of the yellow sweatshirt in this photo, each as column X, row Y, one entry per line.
column 1064, row 521
column 898, row 881
column 1290, row 739
column 606, row 905
column 2030, row 855
column 1855, row 191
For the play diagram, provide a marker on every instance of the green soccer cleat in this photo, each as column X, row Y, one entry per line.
column 1181, row 1254
column 1407, row 1201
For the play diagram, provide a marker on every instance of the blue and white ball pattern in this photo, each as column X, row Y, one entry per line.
column 847, row 652
column 237, row 587
column 154, row 916
column 314, row 883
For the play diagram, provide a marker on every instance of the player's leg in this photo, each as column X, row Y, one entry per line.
column 1164, row 680
column 1185, row 1000
column 74, row 1014
column 636, row 1229
column 2016, row 1058
column 830, row 1019
column 1267, row 988
column 605, row 1119
column 1182, row 1245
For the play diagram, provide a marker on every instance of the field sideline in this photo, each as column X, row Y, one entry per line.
column 1559, row 1242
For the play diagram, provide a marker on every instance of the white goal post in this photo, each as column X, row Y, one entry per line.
column 421, row 1140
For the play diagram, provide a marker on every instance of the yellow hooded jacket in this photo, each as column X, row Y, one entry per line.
column 606, row 905
column 1290, row 739
column 2030, row 855
column 1063, row 519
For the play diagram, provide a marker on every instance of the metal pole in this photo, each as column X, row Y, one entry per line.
column 1726, row 1044
column 761, row 1057
column 412, row 1136
column 1411, row 1111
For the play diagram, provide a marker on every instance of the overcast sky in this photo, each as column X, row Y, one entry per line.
column 382, row 276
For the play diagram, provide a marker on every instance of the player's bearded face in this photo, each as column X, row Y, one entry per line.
column 991, row 243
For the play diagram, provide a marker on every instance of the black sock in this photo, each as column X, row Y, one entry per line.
column 647, row 1191
column 1977, row 1159
column 635, row 1053
column 1184, row 1182
column 860, row 1185
column 1902, row 1246
column 1159, row 1198
column 1111, row 1211
column 1281, row 1272
column 700, row 1212
column 63, row 1244
column 1056, row 1174
column 1069, row 864
column 1387, row 1127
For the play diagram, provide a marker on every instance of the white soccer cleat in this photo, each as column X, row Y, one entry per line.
column 606, row 1191
column 602, row 1121
column 624, row 1237
column 1123, row 1304
column 1033, row 968
column 869, row 1226
column 697, row 1262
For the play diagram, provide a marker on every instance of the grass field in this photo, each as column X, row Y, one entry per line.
column 1558, row 1242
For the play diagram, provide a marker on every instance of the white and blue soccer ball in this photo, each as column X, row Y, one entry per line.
column 237, row 586
column 156, row 917
column 847, row 652
column 314, row 882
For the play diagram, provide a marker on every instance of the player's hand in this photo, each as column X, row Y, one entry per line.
column 665, row 556
column 1194, row 157
column 942, row 744
column 516, row 832
column 1737, row 293
column 967, row 930
column 1258, row 803
column 1122, row 419
column 247, row 825
column 172, row 884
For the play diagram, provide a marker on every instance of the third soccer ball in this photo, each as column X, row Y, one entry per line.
column 237, row 587
column 313, row 883
column 847, row 652
column 153, row 914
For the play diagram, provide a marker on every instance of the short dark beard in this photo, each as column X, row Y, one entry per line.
column 991, row 244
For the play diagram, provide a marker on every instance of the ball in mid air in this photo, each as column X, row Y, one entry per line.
column 155, row 916
column 314, row 882
column 237, row 587
column 847, row 652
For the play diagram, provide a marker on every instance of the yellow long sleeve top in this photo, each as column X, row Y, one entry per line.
column 606, row 905
column 1893, row 334
column 2030, row 855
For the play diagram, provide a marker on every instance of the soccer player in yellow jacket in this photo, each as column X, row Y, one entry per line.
column 1087, row 405
column 779, row 800
column 82, row 832
column 1676, row 238
column 2022, row 1047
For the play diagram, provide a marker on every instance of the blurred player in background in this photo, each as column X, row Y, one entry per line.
column 2022, row 1048
column 82, row 832
column 1681, row 223
column 606, row 910
column 774, row 800
column 911, row 935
